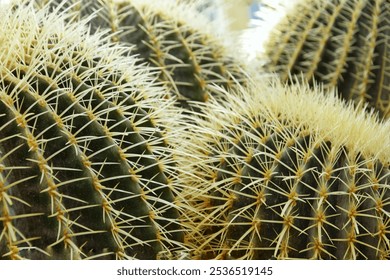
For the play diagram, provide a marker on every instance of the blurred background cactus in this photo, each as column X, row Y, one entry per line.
column 85, row 169
column 340, row 43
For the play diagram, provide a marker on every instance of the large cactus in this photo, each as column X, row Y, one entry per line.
column 287, row 173
column 84, row 167
column 341, row 43
column 169, row 35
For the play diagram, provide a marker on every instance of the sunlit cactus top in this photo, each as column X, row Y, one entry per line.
column 286, row 173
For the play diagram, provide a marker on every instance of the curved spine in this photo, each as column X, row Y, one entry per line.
column 173, row 37
column 284, row 173
column 85, row 168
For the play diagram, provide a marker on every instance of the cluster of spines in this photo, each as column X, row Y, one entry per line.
column 341, row 43
column 270, row 179
column 261, row 179
column 170, row 36
column 85, row 169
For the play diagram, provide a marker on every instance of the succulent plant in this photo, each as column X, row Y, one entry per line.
column 85, row 167
column 287, row 172
column 96, row 161
column 340, row 43
column 171, row 36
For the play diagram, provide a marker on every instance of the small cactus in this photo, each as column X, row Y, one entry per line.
column 85, row 169
column 340, row 43
column 171, row 36
column 286, row 172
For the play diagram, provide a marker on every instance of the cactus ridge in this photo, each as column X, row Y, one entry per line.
column 285, row 174
column 343, row 44
column 85, row 170
column 170, row 36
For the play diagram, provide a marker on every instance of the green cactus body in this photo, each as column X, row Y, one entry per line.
column 343, row 44
column 170, row 36
column 84, row 167
column 288, row 173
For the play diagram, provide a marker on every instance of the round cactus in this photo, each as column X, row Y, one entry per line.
column 287, row 172
column 171, row 36
column 341, row 43
column 85, row 169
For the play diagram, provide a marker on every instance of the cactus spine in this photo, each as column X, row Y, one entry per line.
column 84, row 167
column 171, row 36
column 341, row 43
column 287, row 173
column 94, row 163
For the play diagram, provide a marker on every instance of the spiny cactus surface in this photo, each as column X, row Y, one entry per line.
column 287, row 173
column 168, row 35
column 341, row 43
column 84, row 167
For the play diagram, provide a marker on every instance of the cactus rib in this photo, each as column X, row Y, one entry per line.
column 342, row 44
column 171, row 36
column 287, row 173
column 85, row 169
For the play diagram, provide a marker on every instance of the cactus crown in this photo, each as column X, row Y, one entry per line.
column 84, row 167
column 341, row 43
column 288, row 173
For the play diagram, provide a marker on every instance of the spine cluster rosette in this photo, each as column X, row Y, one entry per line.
column 85, row 169
column 285, row 173
column 340, row 43
column 171, row 36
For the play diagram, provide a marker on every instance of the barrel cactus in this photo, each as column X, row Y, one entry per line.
column 340, row 43
column 85, row 169
column 287, row 172
column 172, row 36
